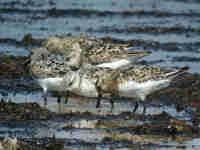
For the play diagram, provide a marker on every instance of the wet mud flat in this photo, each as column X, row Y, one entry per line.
column 124, row 130
column 172, row 119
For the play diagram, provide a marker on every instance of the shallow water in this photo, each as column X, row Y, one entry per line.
column 170, row 29
column 89, row 131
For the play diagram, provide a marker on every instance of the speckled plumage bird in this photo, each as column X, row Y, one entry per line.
column 48, row 68
column 135, row 82
column 96, row 52
column 54, row 72
column 50, row 63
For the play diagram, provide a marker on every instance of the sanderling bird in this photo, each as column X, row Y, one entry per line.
column 48, row 68
column 96, row 52
column 50, row 63
column 134, row 82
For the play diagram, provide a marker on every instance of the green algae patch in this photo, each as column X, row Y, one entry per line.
column 147, row 139
column 55, row 145
column 10, row 111
column 28, row 40
column 12, row 66
column 117, row 123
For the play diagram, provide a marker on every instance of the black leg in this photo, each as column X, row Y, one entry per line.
column 98, row 102
column 112, row 104
column 144, row 108
column 45, row 99
column 44, row 95
column 99, row 97
column 136, row 107
column 66, row 98
column 59, row 99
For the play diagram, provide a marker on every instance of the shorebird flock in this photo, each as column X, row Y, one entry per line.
column 90, row 67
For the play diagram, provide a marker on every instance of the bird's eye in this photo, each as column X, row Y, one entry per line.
column 42, row 55
column 67, row 58
column 74, row 68
column 70, row 84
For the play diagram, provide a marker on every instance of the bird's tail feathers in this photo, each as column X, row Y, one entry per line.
column 132, row 51
column 177, row 72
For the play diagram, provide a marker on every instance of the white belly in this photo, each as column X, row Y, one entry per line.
column 52, row 84
column 87, row 88
column 115, row 64
column 141, row 90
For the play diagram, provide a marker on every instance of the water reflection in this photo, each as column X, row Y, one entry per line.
column 100, row 132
